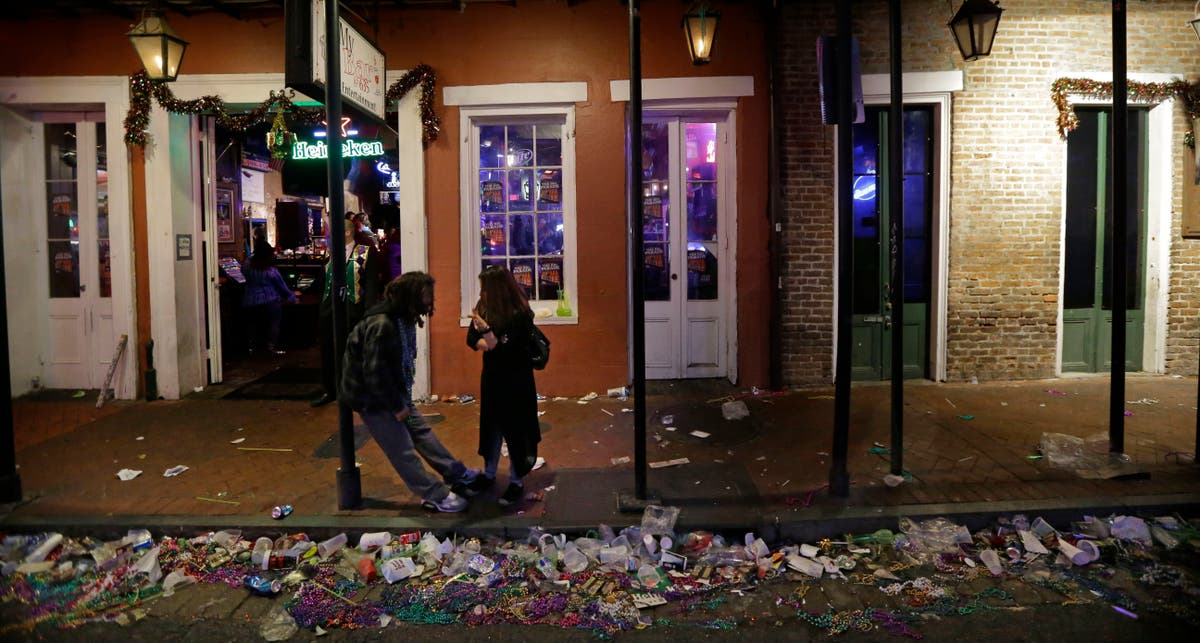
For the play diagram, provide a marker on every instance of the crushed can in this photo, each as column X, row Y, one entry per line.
column 411, row 538
column 262, row 586
column 281, row 512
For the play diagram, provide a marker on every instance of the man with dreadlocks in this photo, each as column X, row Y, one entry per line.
column 377, row 379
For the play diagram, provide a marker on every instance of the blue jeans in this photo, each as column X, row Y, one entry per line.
column 491, row 460
column 402, row 441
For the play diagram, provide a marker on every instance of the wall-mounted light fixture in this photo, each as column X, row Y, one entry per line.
column 158, row 46
column 1195, row 21
column 700, row 28
column 974, row 27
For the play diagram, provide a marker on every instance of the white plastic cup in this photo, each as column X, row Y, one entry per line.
column 373, row 540
column 1070, row 551
column 261, row 555
column 328, row 547
column 395, row 569
column 758, row 548
column 806, row 566
column 992, row 560
column 1088, row 547
column 809, row 551
column 650, row 543
column 574, row 561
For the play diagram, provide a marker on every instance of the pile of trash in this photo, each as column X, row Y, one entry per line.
column 605, row 580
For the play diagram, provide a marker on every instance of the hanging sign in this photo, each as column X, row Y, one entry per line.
column 362, row 63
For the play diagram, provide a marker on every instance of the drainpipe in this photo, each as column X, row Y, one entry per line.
column 896, row 209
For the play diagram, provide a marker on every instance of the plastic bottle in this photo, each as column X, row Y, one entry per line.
column 328, row 547
column 480, row 564
column 547, row 568
column 648, row 576
column 564, row 304
column 139, row 539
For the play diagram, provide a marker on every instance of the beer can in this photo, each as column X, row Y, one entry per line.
column 282, row 511
column 411, row 538
column 262, row 586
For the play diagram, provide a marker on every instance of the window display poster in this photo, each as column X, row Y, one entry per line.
column 549, row 277
column 522, row 272
column 491, row 195
column 252, row 186
column 549, row 191
column 493, row 234
column 224, row 216
column 697, row 261
column 653, row 256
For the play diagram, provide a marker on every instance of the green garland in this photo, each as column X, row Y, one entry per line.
column 1142, row 92
column 142, row 90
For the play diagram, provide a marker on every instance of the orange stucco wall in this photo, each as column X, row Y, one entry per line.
column 536, row 41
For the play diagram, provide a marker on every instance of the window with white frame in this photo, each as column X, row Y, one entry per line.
column 519, row 204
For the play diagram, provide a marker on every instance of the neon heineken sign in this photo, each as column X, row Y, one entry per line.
column 302, row 150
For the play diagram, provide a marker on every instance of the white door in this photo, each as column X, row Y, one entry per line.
column 685, row 246
column 211, row 287
column 80, row 320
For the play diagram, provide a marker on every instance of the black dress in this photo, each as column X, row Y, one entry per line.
column 508, row 395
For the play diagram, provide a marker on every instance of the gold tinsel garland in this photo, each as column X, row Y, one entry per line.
column 142, row 90
column 1140, row 92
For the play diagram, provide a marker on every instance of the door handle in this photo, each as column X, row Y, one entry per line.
column 674, row 276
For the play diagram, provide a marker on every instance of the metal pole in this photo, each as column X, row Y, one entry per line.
column 775, row 235
column 839, row 477
column 349, row 484
column 896, row 234
column 635, row 259
column 1120, row 217
column 10, row 478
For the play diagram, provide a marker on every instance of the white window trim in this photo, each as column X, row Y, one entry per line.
column 687, row 88
column 469, row 189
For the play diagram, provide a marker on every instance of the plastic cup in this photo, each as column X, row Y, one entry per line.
column 809, row 551
column 648, row 576
column 261, row 555
column 374, row 539
column 992, row 560
column 805, row 566
column 328, row 547
column 1070, row 551
column 1088, row 547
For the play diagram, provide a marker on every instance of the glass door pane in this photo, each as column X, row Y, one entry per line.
column 62, row 209
column 656, row 211
column 700, row 158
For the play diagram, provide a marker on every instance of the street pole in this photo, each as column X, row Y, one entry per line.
column 349, row 484
column 635, row 256
column 1120, row 218
column 10, row 479
column 839, row 477
column 896, row 234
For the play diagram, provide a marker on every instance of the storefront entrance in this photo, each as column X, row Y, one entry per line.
column 874, row 291
column 1088, row 261
column 685, row 187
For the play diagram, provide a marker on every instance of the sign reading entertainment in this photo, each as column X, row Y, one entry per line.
column 302, row 150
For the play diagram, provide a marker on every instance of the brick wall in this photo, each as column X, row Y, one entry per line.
column 1006, row 170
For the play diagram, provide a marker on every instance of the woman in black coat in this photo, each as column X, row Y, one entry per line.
column 501, row 326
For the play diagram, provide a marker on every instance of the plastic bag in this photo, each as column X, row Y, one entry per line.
column 1131, row 528
column 658, row 520
column 933, row 536
column 278, row 624
column 735, row 410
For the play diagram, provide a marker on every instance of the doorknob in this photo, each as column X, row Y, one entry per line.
column 674, row 276
column 887, row 322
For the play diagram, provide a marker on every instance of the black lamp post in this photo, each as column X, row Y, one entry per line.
column 159, row 47
column 974, row 27
column 700, row 28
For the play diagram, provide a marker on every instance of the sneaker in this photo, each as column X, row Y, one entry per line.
column 473, row 488
column 451, row 504
column 512, row 495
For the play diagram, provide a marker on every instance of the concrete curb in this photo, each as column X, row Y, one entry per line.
column 798, row 525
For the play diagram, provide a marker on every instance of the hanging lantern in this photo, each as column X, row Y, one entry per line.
column 700, row 28
column 159, row 47
column 974, row 27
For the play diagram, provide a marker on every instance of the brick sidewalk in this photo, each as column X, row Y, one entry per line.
column 964, row 444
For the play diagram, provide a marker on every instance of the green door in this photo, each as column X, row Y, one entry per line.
column 874, row 291
column 1088, row 258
